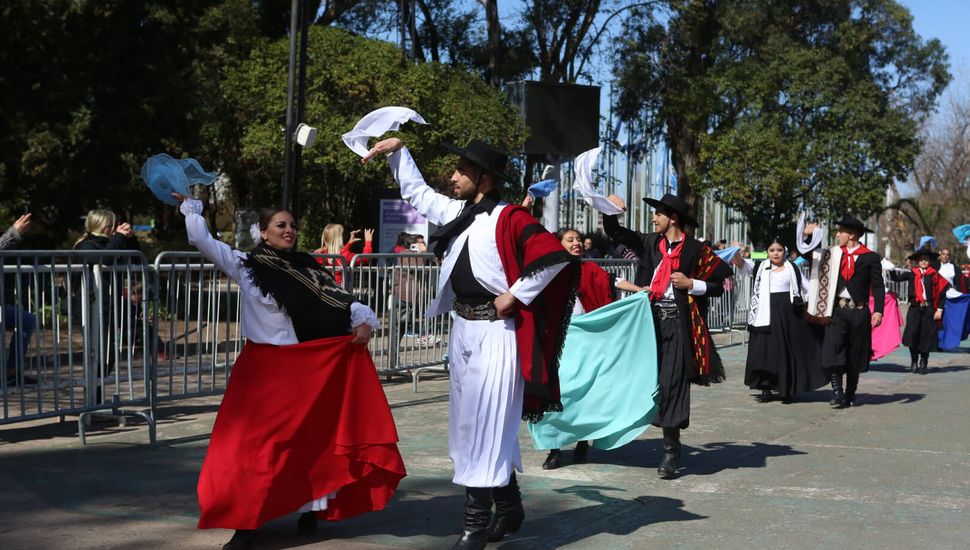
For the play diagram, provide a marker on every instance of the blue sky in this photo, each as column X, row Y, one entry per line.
column 948, row 21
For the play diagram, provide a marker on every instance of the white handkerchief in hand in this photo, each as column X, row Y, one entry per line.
column 817, row 235
column 377, row 123
column 583, row 183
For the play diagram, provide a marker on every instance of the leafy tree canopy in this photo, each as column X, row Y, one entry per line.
column 348, row 76
column 772, row 105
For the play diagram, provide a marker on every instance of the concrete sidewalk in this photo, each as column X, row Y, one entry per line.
column 893, row 472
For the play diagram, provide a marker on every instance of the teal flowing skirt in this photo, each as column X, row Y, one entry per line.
column 607, row 378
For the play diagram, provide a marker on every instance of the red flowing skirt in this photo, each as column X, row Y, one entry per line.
column 297, row 423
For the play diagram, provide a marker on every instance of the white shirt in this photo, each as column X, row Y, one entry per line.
column 262, row 320
column 480, row 237
column 948, row 271
column 845, row 290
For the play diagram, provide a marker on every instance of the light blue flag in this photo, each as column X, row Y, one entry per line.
column 607, row 378
column 728, row 253
column 926, row 240
column 962, row 233
column 164, row 175
column 543, row 188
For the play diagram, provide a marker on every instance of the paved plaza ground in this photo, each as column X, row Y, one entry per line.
column 893, row 472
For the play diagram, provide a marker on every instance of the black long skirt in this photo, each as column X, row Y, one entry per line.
column 785, row 355
column 921, row 331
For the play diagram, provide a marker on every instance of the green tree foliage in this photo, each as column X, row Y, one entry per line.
column 773, row 104
column 348, row 76
column 90, row 89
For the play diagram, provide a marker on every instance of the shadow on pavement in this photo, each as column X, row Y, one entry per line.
column 863, row 399
column 609, row 515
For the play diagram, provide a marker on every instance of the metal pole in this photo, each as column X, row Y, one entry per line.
column 305, row 18
column 290, row 90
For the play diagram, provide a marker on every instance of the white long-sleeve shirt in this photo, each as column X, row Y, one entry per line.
column 262, row 320
column 480, row 237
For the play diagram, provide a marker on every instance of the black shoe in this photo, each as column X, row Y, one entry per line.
column 307, row 524
column 579, row 454
column 243, row 539
column 914, row 366
column 552, row 461
column 787, row 400
column 509, row 513
column 765, row 396
column 478, row 514
column 924, row 363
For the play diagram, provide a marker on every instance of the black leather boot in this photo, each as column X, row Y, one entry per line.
column 838, row 397
column 924, row 362
column 307, row 524
column 914, row 357
column 242, row 539
column 552, row 460
column 765, row 396
column 851, row 384
column 671, row 460
column 478, row 514
column 509, row 513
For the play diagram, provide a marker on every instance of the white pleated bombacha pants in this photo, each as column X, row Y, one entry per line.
column 485, row 405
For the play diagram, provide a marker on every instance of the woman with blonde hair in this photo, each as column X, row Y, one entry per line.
column 332, row 242
column 102, row 232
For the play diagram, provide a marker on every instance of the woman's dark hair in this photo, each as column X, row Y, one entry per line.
column 562, row 233
column 266, row 216
column 402, row 239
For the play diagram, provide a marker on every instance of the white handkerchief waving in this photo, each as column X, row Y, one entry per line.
column 583, row 184
column 377, row 123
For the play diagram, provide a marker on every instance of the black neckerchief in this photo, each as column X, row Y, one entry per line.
column 452, row 229
column 314, row 302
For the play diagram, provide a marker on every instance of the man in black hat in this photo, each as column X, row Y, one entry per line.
column 843, row 278
column 512, row 286
column 927, row 290
column 680, row 273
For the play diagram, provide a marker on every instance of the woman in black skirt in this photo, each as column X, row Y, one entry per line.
column 926, row 290
column 783, row 351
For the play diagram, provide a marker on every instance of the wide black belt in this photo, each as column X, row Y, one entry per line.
column 849, row 303
column 477, row 312
column 666, row 310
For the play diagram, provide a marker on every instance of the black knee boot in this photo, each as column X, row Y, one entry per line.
column 914, row 356
column 924, row 362
column 509, row 513
column 478, row 513
column 838, row 397
column 851, row 384
column 671, row 459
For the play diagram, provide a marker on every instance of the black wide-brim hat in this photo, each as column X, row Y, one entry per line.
column 931, row 256
column 482, row 155
column 853, row 223
column 672, row 204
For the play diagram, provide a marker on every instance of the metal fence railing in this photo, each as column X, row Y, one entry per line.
column 81, row 328
column 104, row 331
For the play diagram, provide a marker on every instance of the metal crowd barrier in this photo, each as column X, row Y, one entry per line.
column 81, row 336
column 400, row 288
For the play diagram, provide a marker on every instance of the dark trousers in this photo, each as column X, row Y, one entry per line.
column 847, row 346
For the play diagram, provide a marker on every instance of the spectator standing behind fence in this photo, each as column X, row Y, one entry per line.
column 17, row 321
column 784, row 351
column 596, row 289
column 332, row 242
column 103, row 232
column 287, row 436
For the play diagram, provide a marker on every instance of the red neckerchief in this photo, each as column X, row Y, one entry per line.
column 670, row 262
column 847, row 268
column 918, row 275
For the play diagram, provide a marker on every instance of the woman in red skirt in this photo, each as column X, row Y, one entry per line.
column 304, row 424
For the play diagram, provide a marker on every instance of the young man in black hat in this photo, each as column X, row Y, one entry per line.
column 680, row 273
column 511, row 285
column 843, row 278
column 927, row 290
